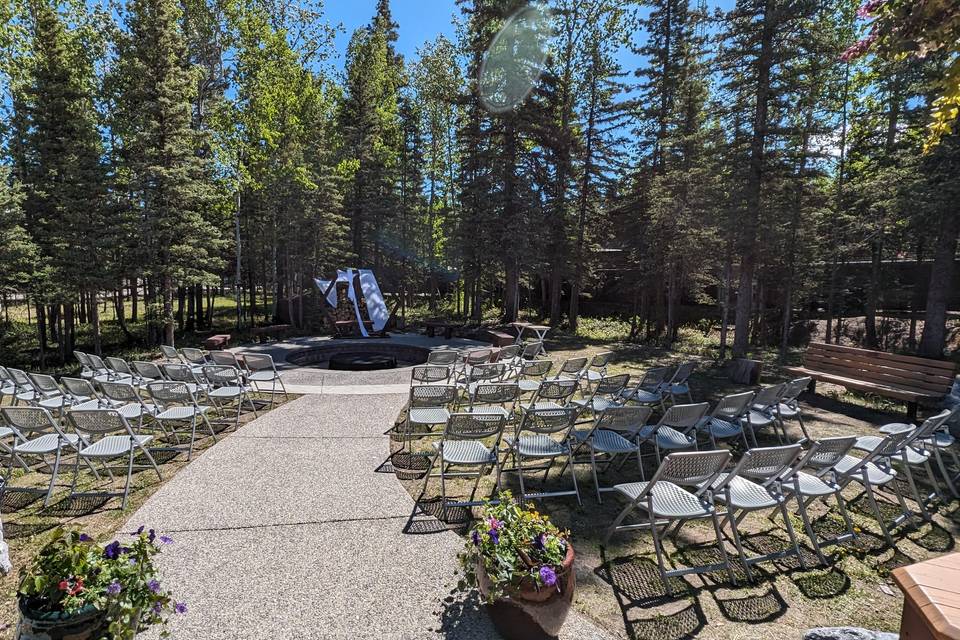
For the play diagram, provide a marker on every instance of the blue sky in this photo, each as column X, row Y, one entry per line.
column 420, row 20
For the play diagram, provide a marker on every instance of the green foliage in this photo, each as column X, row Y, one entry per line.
column 514, row 545
column 73, row 572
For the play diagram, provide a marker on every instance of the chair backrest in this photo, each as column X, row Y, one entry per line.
column 147, row 370
column 558, row 391
column 167, row 393
column 545, row 421
column 487, row 372
column 692, row 468
column 495, row 393
column 654, row 378
column 445, row 357
column 45, row 385
column 98, row 422
column 508, row 353
column 599, row 361
column 30, row 421
column 764, row 463
column 612, row 385
column 20, row 378
column 683, row 372
column 478, row 356
column 573, row 366
column 684, row 416
column 430, row 373
column 531, row 350
column 118, row 365
column 82, row 359
column 97, row 363
column 732, row 406
column 432, row 395
column 928, row 428
column 79, row 388
column 170, row 353
column 193, row 355
column 5, row 375
column 768, row 396
column 623, row 419
column 220, row 375
column 259, row 361
column 178, row 372
column 120, row 391
column 535, row 368
column 473, row 426
column 794, row 388
column 225, row 358
column 825, row 453
column 890, row 445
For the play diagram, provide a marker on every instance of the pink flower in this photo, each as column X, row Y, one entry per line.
column 869, row 8
column 494, row 523
column 858, row 48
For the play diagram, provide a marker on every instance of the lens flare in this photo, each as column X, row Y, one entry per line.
column 515, row 59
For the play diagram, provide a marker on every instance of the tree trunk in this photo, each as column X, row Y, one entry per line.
column 873, row 294
column 725, row 301
column 134, row 295
column 191, row 324
column 42, row 334
column 95, row 327
column 511, row 297
column 933, row 338
column 181, row 299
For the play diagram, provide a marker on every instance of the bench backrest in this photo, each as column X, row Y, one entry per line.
column 911, row 373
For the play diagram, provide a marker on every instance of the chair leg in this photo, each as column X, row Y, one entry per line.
column 946, row 474
column 792, row 534
column 876, row 512
column 916, row 493
column 808, row 527
column 616, row 522
column 736, row 541
column 573, row 474
column 723, row 551
column 658, row 547
column 593, row 468
column 53, row 477
column 126, row 488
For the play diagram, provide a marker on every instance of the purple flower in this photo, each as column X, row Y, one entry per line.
column 138, row 532
column 475, row 536
column 113, row 588
column 112, row 550
column 180, row 607
column 494, row 523
column 152, row 535
column 548, row 576
column 539, row 541
column 85, row 538
column 154, row 585
column 494, row 536
column 133, row 561
column 166, row 539
column 157, row 608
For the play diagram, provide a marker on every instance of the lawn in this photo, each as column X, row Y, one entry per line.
column 619, row 587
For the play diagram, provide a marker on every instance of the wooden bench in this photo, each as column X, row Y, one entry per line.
column 275, row 331
column 500, row 338
column 446, row 327
column 219, row 341
column 911, row 379
column 931, row 599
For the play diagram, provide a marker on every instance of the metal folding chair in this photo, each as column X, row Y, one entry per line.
column 494, row 398
column 605, row 394
column 226, row 388
column 187, row 375
column 532, row 373
column 597, row 367
column 763, row 412
column 605, row 439
column 82, row 393
column 789, row 406
column 753, row 485
column 431, row 374
column 102, row 371
column 110, row 437
column 676, row 430
column 572, row 369
column 821, row 458
column 679, row 491
column 125, row 398
column 263, row 370
column 443, row 357
column 726, row 420
column 146, row 372
column 48, row 394
column 38, row 434
column 544, row 434
column 552, row 394
column 122, row 371
column 679, row 383
column 170, row 354
column 23, row 390
column 462, row 446
column 177, row 405
column 649, row 390
column 429, row 406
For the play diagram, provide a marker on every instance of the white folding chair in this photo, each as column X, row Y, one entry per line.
column 789, row 406
column 726, row 420
column 544, row 434
column 262, row 371
column 178, row 406
column 679, row 383
column 610, row 436
column 763, row 412
column 125, row 398
column 676, row 430
column 649, row 390
column 110, row 437
column 227, row 389
column 604, row 395
column 532, row 373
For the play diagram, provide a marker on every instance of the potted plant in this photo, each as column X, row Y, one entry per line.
column 78, row 589
column 523, row 567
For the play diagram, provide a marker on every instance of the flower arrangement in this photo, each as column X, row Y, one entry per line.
column 514, row 545
column 73, row 573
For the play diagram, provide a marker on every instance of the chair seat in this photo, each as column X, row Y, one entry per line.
column 940, row 440
column 182, row 413
column 7, row 388
column 720, row 428
column 6, row 432
column 537, row 446
column 875, row 475
column 490, row 410
column 96, row 403
column 113, row 377
column 869, row 443
column 670, row 438
column 896, row 427
column 760, row 418
column 46, row 443
column 593, row 376
column 641, row 396
column 678, row 388
column 668, row 500
column 542, row 404
column 226, row 392
column 263, row 376
column 428, row 415
column 136, row 410
column 465, row 452
column 55, row 403
column 528, row 386
column 596, row 404
column 787, row 411
column 745, row 494
column 113, row 446
column 26, row 396
column 810, row 485
column 606, row 441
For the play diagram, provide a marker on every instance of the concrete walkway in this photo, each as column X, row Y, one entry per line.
column 285, row 529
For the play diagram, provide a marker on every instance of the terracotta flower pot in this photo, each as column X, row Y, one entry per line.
column 87, row 624
column 527, row 612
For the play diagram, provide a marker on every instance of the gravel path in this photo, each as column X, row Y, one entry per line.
column 290, row 529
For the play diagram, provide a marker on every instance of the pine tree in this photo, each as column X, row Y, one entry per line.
column 169, row 180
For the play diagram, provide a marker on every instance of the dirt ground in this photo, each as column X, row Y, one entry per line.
column 618, row 587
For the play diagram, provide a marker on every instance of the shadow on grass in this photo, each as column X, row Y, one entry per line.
column 80, row 505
